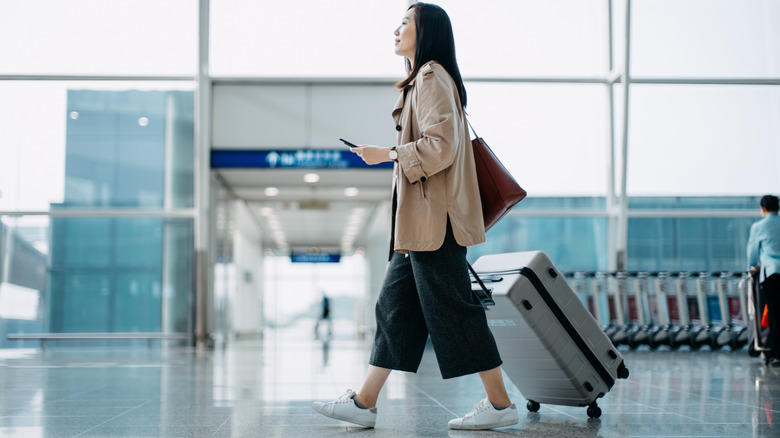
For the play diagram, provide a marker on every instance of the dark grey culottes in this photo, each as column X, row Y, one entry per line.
column 429, row 292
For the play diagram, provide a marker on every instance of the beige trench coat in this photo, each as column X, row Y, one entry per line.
column 435, row 174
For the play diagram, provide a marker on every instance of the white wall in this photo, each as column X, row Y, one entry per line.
column 247, row 305
column 377, row 249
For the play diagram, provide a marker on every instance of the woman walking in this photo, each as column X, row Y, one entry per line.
column 436, row 214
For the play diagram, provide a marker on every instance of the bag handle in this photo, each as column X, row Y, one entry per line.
column 485, row 299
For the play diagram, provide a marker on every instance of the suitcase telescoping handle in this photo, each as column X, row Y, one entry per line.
column 484, row 295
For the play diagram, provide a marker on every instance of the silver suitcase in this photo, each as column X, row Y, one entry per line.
column 553, row 349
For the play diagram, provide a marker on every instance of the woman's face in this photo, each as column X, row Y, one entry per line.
column 406, row 36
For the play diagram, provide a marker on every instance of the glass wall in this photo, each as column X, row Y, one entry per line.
column 703, row 140
column 97, row 133
column 96, row 144
column 494, row 38
column 697, row 243
column 522, row 124
column 96, row 166
column 24, row 248
column 545, row 86
column 85, row 37
column 703, row 38
column 507, row 38
column 122, row 149
column 93, row 275
column 573, row 243
column 99, row 167
column 688, row 244
column 304, row 38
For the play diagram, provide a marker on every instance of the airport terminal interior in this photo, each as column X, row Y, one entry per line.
column 177, row 210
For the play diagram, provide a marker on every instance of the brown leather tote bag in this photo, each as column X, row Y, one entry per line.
column 497, row 188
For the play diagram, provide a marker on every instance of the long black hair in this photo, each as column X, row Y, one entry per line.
column 435, row 42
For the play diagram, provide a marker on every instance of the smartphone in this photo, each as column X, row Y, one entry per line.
column 352, row 145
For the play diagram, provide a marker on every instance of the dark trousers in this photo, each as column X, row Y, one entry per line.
column 771, row 288
column 429, row 292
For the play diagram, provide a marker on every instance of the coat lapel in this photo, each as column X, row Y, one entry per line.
column 399, row 106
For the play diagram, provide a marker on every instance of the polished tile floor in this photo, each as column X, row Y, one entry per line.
column 265, row 388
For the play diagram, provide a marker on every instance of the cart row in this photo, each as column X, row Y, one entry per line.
column 674, row 309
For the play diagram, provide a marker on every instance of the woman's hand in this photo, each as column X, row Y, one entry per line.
column 372, row 154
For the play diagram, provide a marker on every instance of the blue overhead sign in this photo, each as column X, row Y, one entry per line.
column 315, row 258
column 289, row 159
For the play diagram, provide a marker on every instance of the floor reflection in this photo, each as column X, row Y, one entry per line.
column 265, row 388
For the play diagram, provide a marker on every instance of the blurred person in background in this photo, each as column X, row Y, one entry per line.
column 763, row 252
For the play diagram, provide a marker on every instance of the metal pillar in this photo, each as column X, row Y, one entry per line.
column 611, row 198
column 203, row 261
column 622, row 228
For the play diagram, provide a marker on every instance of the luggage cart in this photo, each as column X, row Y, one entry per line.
column 578, row 283
column 717, row 311
column 592, row 290
column 661, row 332
column 618, row 303
column 715, row 333
column 585, row 279
column 639, row 331
column 736, row 310
column 743, row 309
column 697, row 310
column 608, row 299
column 677, row 304
column 757, row 345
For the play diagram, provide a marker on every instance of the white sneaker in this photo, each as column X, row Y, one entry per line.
column 344, row 408
column 485, row 416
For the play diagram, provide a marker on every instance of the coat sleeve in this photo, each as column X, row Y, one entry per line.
column 436, row 111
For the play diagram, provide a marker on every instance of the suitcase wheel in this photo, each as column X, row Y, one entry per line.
column 532, row 406
column 594, row 411
column 622, row 371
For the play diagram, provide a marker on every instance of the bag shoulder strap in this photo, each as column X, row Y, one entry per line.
column 470, row 126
